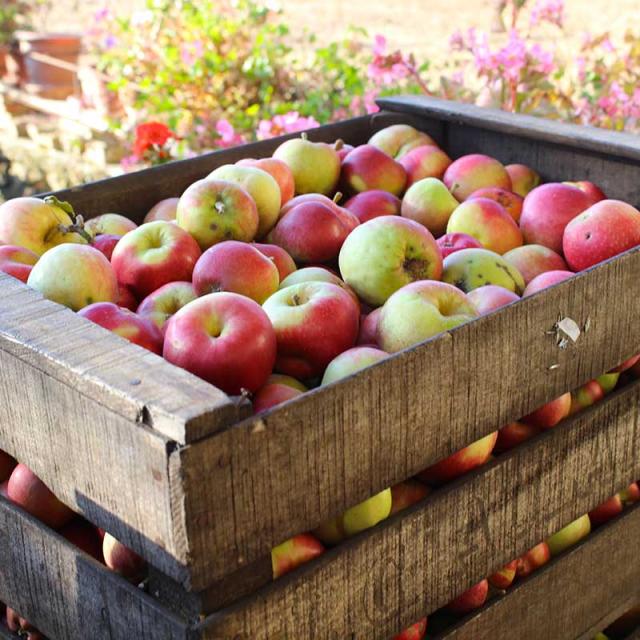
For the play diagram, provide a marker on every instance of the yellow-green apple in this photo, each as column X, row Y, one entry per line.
column 631, row 494
column 588, row 394
column 106, row 243
column 382, row 255
column 29, row 492
column 606, row 511
column 509, row 201
column 547, row 210
column 126, row 299
column 294, row 552
column 503, row 578
column 283, row 261
column 476, row 171
column 39, row 225
column 592, row 190
column 7, row 465
column 627, row 364
column 260, row 185
column 429, row 202
column 153, row 255
column 533, row 559
column 164, row 302
column 224, row 338
column 551, row 413
column 399, row 139
column 491, row 297
column 460, row 462
column 351, row 361
column 569, row 535
column 288, row 381
column 545, row 280
column 419, row 311
column 166, row 209
column 533, row 259
column 273, row 394
column 85, row 536
column 237, row 267
column 469, row 269
column 608, row 382
column 317, row 274
column 469, row 600
column 373, row 204
column 122, row 560
column 313, row 323
column 74, row 275
column 216, row 210
column 603, row 231
column 363, row 516
column 416, row 631
column 406, row 493
column 452, row 242
column 279, row 171
column 426, row 161
column 523, row 179
column 109, row 223
column 513, row 435
column 367, row 167
column 488, row 222
column 369, row 327
column 315, row 165
column 127, row 324
column 17, row 261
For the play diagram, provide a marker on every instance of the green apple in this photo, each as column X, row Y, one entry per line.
column 608, row 382
column 351, row 361
column 569, row 535
column 430, row 203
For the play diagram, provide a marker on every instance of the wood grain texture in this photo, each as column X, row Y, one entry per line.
column 420, row 559
column 569, row 598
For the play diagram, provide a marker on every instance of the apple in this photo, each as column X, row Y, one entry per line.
column 367, row 167
column 261, row 186
column 533, row 259
column 369, row 327
column 273, row 394
column 569, row 535
column 109, row 223
column 127, row 324
column 631, row 494
column 363, row 516
column 283, row 261
column 513, row 435
column 123, row 560
column 372, row 204
column 491, row 297
column 429, row 202
column 608, row 382
column 126, row 299
column 294, row 552
column 419, row 311
column 279, row 171
column 523, row 179
column 606, row 511
column 460, row 462
column 545, row 280
column 29, row 492
column 17, row 261
column 547, row 210
column 382, row 255
column 452, row 242
column 342, row 148
column 470, row 599
column 224, row 338
column 551, row 413
column 588, row 394
column 317, row 274
column 469, row 173
column 315, row 165
column 470, row 269
column 166, row 209
column 416, row 631
column 7, row 465
column 288, row 381
column 313, row 323
column 75, row 276
column 503, row 578
column 533, row 559
column 23, row 628
column 603, row 231
column 406, row 493
column 426, row 161
column 399, row 139
column 627, row 364
column 106, row 243
column 153, row 255
column 348, row 219
column 350, row 362
column 160, row 305
column 592, row 190
column 85, row 536
column 509, row 201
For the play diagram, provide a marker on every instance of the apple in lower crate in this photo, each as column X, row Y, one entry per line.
column 523, row 179
column 283, row 261
column 166, row 209
column 294, row 552
column 469, row 600
column 631, row 494
column 608, row 382
column 399, row 139
column 606, row 511
column 416, row 631
column 513, row 435
column 109, row 223
column 363, row 516
column 503, row 578
column 273, row 394
column 547, row 210
column 491, row 297
column 279, row 171
column 127, row 324
column 216, row 210
column 551, row 413
column 317, row 274
column 533, row 559
column 106, row 243
column 153, row 255
column 164, row 302
column 351, row 361
column 452, row 242
column 289, row 381
column 533, row 259
column 369, row 327
column 7, row 465
column 382, row 255
column 592, row 190
column 429, row 202
column 426, row 161
column 367, row 167
column 460, row 462
column 406, row 493
column 588, row 394
column 545, row 280
column 85, row 536
column 509, row 201
column 570, row 535
column 24, row 629
column 75, row 276
column 476, row 171
column 313, row 323
column 470, row 269
column 122, row 560
column 373, row 204
column 17, row 261
column 29, row 492
column 627, row 364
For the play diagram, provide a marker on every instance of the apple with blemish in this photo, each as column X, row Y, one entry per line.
column 452, row 242
column 369, row 327
column 531, row 260
column 551, row 413
column 17, row 261
column 504, row 577
column 469, row 173
column 166, row 209
column 426, row 161
column 351, row 361
column 373, row 204
column 109, row 224
column 514, row 434
column 491, row 297
column 367, row 167
column 429, row 202
column 533, row 559
column 124, row 561
column 545, row 280
column 294, row 552
column 523, row 179
column 283, row 261
column 470, row 600
column 400, row 139
column 570, row 535
column 279, row 171
column 509, row 201
column 404, row 494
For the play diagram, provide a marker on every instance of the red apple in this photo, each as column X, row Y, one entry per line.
column 317, row 274
column 452, row 242
column 164, row 302
column 106, row 243
column 631, row 494
column 272, row 394
column 369, row 327
column 294, row 552
column 470, row 599
column 513, row 435
column 367, row 167
column 503, row 578
column 588, row 394
column 406, row 493
column 491, row 297
column 278, row 170
column 126, row 299
column 533, row 559
column 510, row 202
column 17, row 261
column 224, row 338
column 372, row 204
column 343, row 149
column 531, row 260
column 427, row 161
column 416, row 631
column 283, row 261
column 592, row 190
column 523, row 179
column 606, row 511
column 24, row 629
column 546, row 279
column 475, row 171
column 85, row 536
column 123, row 560
column 7, row 465
column 627, row 364
column 551, row 413
column 164, row 210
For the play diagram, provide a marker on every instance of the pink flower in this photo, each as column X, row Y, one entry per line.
column 551, row 11
column 379, row 45
column 227, row 134
column 191, row 52
column 370, row 101
column 291, row 122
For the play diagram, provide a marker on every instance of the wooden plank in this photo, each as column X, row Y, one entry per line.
column 291, row 468
column 64, row 592
column 417, row 561
column 584, row 585
column 620, row 609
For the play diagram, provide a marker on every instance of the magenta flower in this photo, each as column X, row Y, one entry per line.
column 227, row 134
column 551, row 11
column 191, row 52
column 291, row 122
column 379, row 45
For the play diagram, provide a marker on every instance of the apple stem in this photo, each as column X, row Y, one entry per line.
column 338, row 144
column 303, row 135
column 77, row 225
column 337, row 197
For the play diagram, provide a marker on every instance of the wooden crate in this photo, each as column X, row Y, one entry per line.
column 184, row 475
